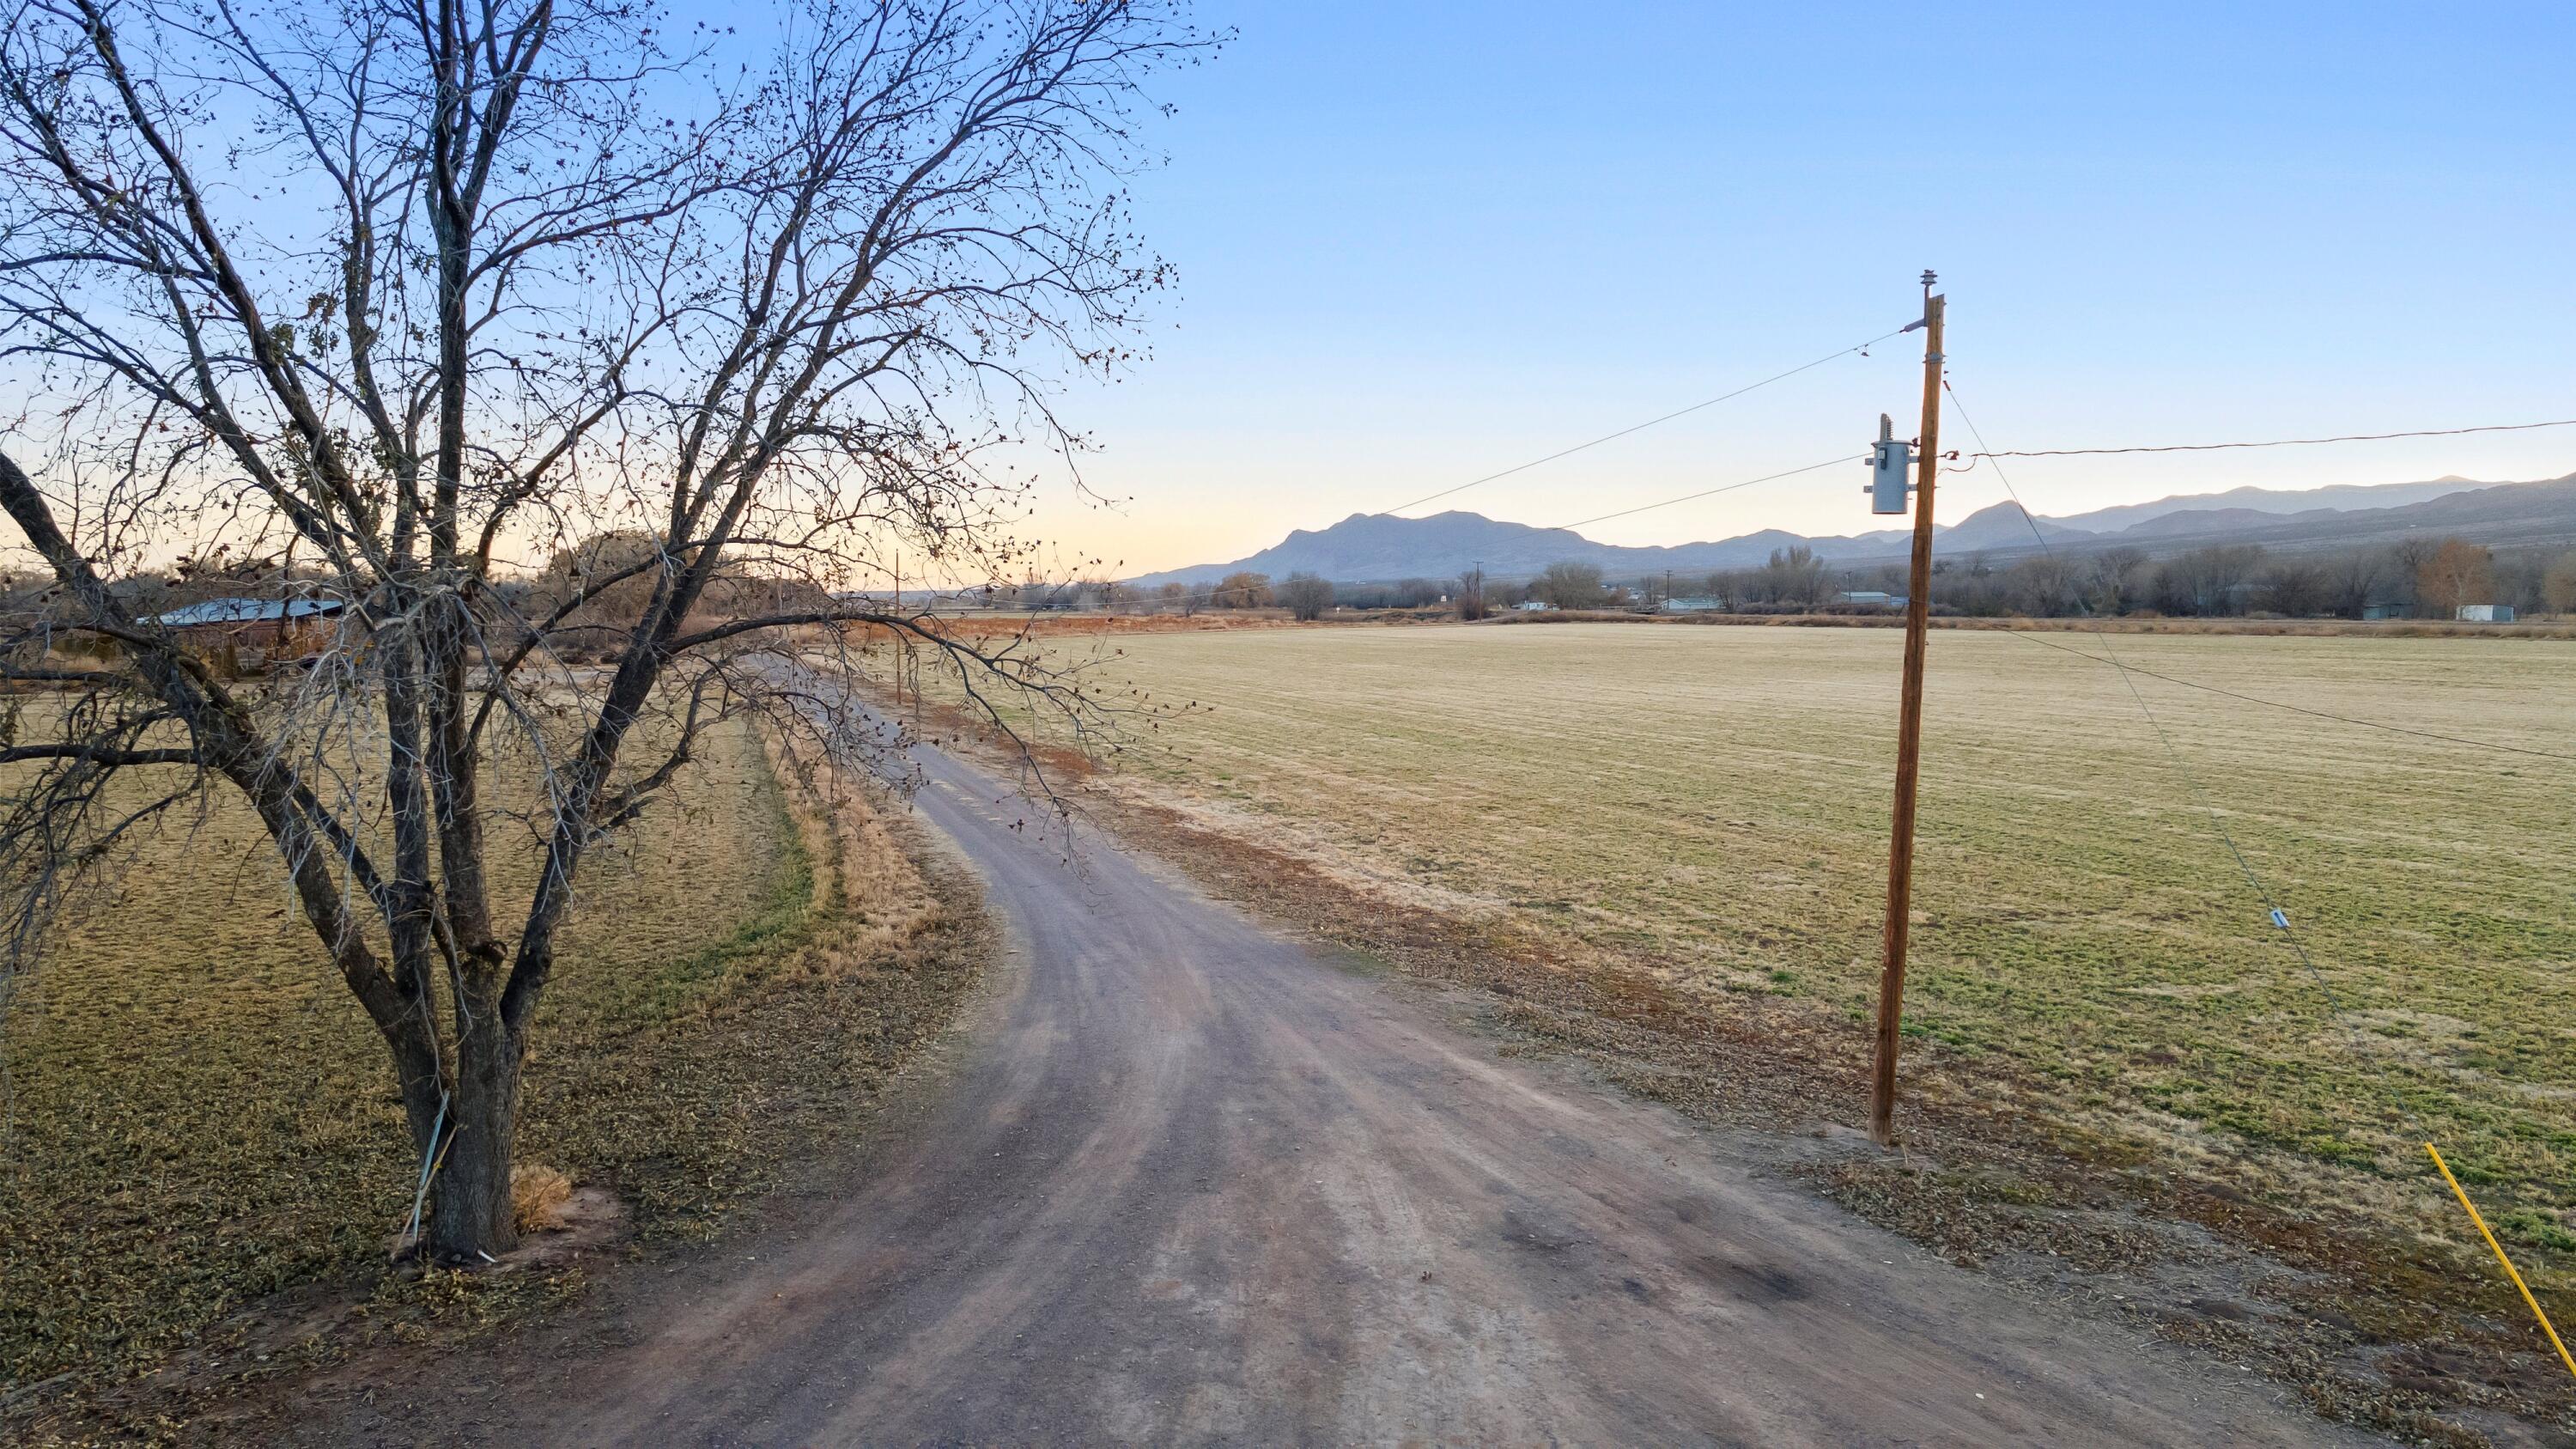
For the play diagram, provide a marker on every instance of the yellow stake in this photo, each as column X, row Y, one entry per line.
column 2460, row 1193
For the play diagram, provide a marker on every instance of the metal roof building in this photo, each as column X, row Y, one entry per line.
column 248, row 611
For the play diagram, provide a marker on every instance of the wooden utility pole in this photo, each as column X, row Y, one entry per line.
column 1909, row 739
column 285, row 591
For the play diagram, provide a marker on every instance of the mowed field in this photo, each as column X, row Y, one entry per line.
column 1711, row 804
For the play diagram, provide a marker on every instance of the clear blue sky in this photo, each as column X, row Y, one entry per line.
column 1419, row 243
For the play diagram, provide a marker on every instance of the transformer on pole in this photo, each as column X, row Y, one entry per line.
column 1890, row 458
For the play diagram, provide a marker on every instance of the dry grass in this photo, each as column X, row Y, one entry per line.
column 2554, row 627
column 1700, row 814
column 200, row 1118
column 1714, row 803
column 537, row 1196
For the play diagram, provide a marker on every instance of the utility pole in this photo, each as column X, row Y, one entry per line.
column 285, row 591
column 907, row 659
column 1909, row 738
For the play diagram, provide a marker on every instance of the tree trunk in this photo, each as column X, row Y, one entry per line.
column 470, row 1215
column 417, row 1073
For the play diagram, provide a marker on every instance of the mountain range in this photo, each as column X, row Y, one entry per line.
column 1379, row 547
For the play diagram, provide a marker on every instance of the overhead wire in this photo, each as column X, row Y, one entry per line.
column 2278, row 916
column 1839, row 352
column 2191, row 777
column 1971, row 462
column 2040, row 537
column 1713, row 492
column 2272, row 442
column 1984, row 453
column 1993, row 456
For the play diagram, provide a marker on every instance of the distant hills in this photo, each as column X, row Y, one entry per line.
column 2273, row 500
column 1380, row 547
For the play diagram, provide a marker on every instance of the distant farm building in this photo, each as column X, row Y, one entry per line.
column 272, row 628
column 2486, row 613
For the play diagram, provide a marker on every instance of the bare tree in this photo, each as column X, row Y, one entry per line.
column 2558, row 585
column 2353, row 578
column 1793, row 575
column 2111, row 578
column 2209, row 581
column 1471, row 594
column 2298, row 587
column 454, row 283
column 1243, row 589
column 1306, row 596
column 2457, row 572
column 1570, row 584
column 2041, row 585
column 2406, row 560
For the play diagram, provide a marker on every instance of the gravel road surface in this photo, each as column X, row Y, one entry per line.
column 1181, row 1180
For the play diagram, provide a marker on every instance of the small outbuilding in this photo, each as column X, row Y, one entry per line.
column 275, row 628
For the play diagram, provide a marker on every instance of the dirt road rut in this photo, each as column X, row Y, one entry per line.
column 1184, row 1181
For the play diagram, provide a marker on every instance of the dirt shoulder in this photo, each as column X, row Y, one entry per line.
column 2406, row 1337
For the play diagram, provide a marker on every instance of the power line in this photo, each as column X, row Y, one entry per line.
column 2271, row 443
column 1711, row 492
column 1651, row 422
column 2201, row 795
column 2280, row 918
column 2127, row 668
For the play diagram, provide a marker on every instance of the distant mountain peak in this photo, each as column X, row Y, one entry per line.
column 1385, row 548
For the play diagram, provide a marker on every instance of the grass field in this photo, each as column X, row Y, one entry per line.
column 1711, row 805
column 198, row 1115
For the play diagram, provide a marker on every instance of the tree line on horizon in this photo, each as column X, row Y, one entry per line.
column 2411, row 578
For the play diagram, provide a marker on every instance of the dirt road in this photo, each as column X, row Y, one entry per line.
column 1184, row 1181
